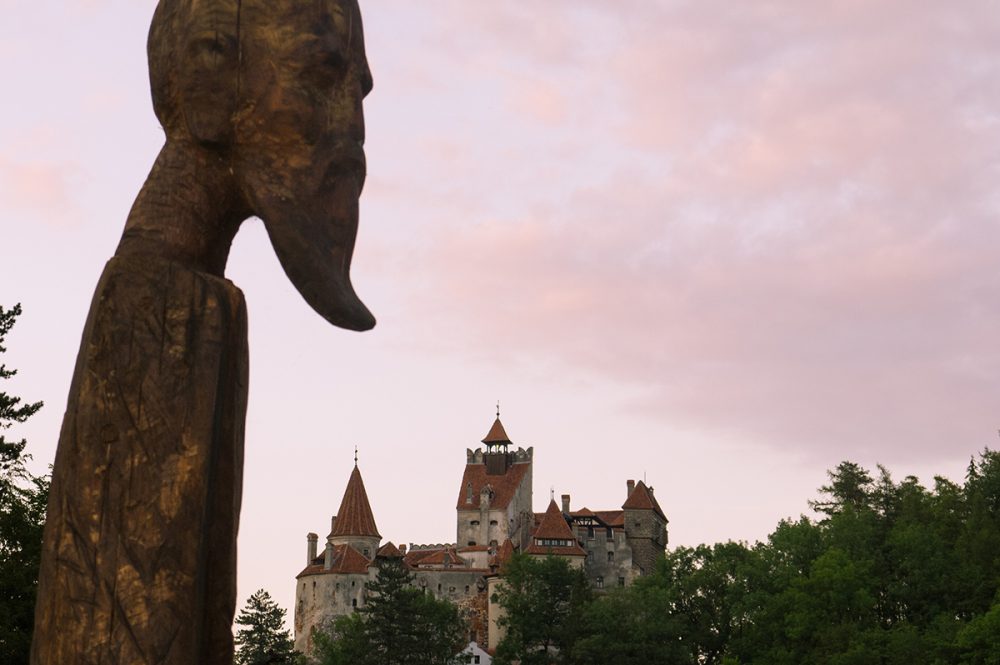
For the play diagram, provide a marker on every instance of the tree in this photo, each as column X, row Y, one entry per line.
column 263, row 638
column 543, row 601
column 23, row 497
column 398, row 624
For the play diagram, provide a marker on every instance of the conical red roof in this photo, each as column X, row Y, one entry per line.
column 355, row 516
column 497, row 434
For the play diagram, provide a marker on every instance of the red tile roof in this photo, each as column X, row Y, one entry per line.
column 503, row 486
column 503, row 555
column 346, row 559
column 446, row 557
column 642, row 499
column 355, row 516
column 612, row 517
column 389, row 551
column 414, row 557
column 554, row 525
column 497, row 434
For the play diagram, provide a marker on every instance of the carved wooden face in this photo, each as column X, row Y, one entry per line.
column 299, row 138
column 277, row 86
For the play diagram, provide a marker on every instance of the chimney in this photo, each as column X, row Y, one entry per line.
column 565, row 503
column 402, row 549
column 328, row 557
column 631, row 487
column 311, row 539
column 333, row 523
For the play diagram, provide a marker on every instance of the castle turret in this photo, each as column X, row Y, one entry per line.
column 645, row 526
column 497, row 459
column 354, row 524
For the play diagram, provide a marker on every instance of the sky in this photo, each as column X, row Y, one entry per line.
column 721, row 246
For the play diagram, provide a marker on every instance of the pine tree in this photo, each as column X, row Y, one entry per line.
column 263, row 638
column 23, row 497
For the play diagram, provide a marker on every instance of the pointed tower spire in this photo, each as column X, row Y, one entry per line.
column 497, row 459
column 355, row 516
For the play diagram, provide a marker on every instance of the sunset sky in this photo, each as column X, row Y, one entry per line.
column 719, row 245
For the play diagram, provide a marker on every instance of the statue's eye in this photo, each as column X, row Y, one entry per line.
column 324, row 67
column 211, row 46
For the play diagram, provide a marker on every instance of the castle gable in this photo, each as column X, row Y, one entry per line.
column 554, row 536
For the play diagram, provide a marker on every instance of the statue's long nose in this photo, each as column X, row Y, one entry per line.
column 315, row 247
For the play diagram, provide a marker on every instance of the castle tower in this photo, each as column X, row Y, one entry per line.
column 354, row 523
column 494, row 501
column 645, row 526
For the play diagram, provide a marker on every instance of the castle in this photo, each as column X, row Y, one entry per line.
column 494, row 519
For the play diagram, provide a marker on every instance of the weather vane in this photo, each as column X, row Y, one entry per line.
column 355, row 455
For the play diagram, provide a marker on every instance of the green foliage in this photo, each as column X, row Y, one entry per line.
column 263, row 638
column 397, row 624
column 23, row 498
column 893, row 573
column 544, row 601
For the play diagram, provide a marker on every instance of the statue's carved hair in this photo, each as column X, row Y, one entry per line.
column 194, row 67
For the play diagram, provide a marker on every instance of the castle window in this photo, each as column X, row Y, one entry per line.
column 638, row 524
column 493, row 522
column 590, row 533
column 366, row 552
column 466, row 588
column 472, row 543
column 354, row 602
column 621, row 581
column 468, row 493
column 493, row 543
column 611, row 557
column 451, row 589
column 600, row 582
column 611, row 533
column 474, row 523
column 439, row 588
column 338, row 586
column 590, row 556
column 352, row 583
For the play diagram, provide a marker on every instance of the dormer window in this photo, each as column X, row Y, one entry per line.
column 553, row 542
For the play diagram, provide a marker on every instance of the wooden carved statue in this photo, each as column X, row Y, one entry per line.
column 261, row 102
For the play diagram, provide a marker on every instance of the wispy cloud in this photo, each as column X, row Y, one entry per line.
column 778, row 219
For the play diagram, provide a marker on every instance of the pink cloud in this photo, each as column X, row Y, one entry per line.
column 773, row 220
column 39, row 189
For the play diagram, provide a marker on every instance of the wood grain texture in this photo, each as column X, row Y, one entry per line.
column 140, row 546
column 261, row 104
